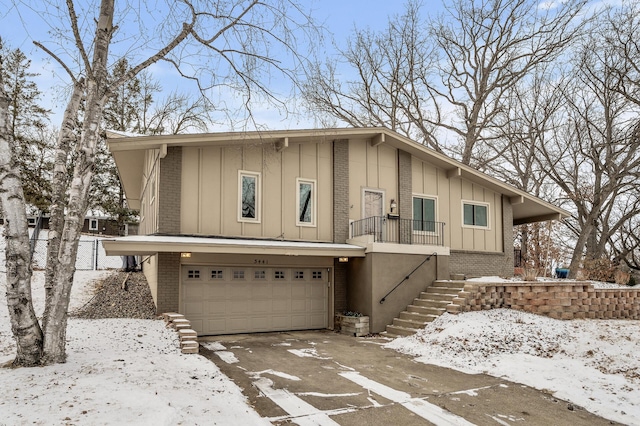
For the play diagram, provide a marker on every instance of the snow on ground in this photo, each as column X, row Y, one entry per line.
column 119, row 371
column 131, row 372
column 590, row 363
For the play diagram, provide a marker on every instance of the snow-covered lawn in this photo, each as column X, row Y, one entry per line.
column 591, row 363
column 131, row 372
column 119, row 371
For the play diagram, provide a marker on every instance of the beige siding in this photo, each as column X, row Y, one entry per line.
column 150, row 270
column 210, row 190
column 149, row 206
column 371, row 167
column 431, row 181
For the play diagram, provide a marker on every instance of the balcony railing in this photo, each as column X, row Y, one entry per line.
column 392, row 229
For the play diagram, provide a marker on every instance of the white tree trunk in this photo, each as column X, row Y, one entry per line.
column 55, row 320
column 24, row 323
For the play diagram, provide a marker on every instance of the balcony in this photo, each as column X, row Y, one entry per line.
column 393, row 229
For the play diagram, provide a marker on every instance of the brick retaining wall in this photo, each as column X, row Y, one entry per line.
column 560, row 300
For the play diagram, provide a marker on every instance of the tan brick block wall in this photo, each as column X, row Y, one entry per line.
column 559, row 300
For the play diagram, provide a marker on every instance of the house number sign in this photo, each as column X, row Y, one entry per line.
column 260, row 261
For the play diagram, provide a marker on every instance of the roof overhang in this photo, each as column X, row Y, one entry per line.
column 141, row 245
column 129, row 153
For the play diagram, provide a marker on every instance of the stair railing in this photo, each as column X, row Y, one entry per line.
column 407, row 277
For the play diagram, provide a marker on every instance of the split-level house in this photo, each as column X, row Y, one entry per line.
column 280, row 230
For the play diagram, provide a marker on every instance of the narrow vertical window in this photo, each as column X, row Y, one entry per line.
column 249, row 196
column 306, row 197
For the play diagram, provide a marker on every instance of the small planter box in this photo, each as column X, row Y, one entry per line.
column 353, row 326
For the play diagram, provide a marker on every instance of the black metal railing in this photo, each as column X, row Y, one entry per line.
column 392, row 229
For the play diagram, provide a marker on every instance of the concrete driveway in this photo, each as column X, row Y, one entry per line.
column 325, row 378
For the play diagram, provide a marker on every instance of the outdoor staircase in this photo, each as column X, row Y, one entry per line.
column 425, row 308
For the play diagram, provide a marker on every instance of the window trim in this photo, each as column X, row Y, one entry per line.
column 435, row 213
column 477, row 203
column 258, row 200
column 314, row 202
column 93, row 221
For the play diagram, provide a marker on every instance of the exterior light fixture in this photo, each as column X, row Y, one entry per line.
column 343, row 259
column 185, row 254
column 393, row 205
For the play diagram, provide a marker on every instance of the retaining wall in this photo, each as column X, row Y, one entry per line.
column 560, row 300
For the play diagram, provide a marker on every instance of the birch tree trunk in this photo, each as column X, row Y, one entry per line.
column 55, row 321
column 24, row 323
column 60, row 179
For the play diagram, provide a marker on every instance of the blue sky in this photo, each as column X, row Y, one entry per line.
column 20, row 25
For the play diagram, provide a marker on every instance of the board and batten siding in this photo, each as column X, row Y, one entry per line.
column 210, row 190
column 149, row 193
column 371, row 167
column 450, row 192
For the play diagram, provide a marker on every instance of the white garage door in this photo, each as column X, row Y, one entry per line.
column 227, row 300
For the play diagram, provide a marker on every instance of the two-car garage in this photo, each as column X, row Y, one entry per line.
column 247, row 299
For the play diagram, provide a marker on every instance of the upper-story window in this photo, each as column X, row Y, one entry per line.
column 249, row 196
column 306, row 201
column 424, row 213
column 475, row 214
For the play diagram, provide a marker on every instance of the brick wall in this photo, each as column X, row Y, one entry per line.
column 340, row 276
column 405, row 202
column 340, row 191
column 560, row 300
column 477, row 264
column 340, row 218
column 169, row 191
column 168, row 282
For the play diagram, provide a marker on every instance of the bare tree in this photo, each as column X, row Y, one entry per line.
column 450, row 74
column 594, row 157
column 228, row 43
column 24, row 324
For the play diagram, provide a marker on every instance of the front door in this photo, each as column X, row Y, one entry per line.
column 374, row 212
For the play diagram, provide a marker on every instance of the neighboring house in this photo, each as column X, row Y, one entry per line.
column 279, row 230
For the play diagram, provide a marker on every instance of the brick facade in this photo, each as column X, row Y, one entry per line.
column 560, row 300
column 168, row 282
column 340, row 218
column 169, row 191
column 405, row 202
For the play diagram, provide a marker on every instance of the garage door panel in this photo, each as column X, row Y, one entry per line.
column 220, row 300
column 260, row 306
column 238, row 307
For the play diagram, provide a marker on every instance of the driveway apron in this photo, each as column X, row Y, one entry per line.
column 325, row 378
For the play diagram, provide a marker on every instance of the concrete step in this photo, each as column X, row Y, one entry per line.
column 417, row 317
column 443, row 290
column 401, row 331
column 407, row 323
column 431, row 303
column 436, row 296
column 449, row 283
column 427, row 310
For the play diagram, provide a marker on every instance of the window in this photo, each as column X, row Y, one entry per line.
column 93, row 224
column 475, row 214
column 193, row 273
column 217, row 274
column 316, row 275
column 238, row 274
column 424, row 214
column 306, row 200
column 259, row 275
column 299, row 275
column 249, row 196
column 279, row 275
